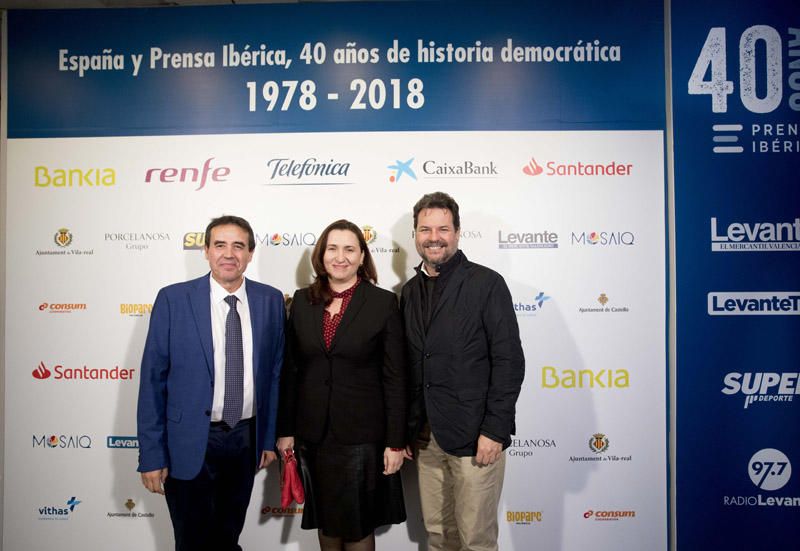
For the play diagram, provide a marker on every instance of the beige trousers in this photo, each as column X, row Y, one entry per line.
column 459, row 499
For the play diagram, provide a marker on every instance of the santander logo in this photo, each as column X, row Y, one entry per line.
column 41, row 371
column 532, row 168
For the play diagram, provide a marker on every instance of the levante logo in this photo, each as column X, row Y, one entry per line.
column 756, row 236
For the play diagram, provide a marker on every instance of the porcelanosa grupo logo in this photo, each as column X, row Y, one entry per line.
column 283, row 171
column 59, row 373
column 530, row 308
column 763, row 388
column 769, row 470
column 579, row 168
column 522, row 448
column 136, row 241
column 755, row 236
column 400, row 168
column 197, row 177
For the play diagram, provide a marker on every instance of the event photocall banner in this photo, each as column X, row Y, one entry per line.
column 736, row 97
column 129, row 129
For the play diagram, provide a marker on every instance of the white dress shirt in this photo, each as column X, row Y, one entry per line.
column 219, row 313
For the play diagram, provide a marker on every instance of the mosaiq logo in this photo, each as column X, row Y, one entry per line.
column 755, row 236
column 284, row 171
column 287, row 239
column 769, row 470
column 763, row 388
column 603, row 238
column 81, row 441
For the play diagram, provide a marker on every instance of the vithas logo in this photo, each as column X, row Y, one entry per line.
column 41, row 372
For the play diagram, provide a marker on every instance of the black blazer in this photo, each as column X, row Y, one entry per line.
column 358, row 387
column 466, row 371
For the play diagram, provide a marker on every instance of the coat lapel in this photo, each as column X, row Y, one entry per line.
column 257, row 317
column 356, row 303
column 200, row 299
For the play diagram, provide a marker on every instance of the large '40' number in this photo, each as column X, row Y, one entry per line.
column 713, row 54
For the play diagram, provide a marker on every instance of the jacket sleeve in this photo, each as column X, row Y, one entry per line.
column 152, row 403
column 393, row 377
column 507, row 363
column 287, row 402
column 279, row 311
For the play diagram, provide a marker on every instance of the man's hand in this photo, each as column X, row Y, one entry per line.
column 154, row 480
column 267, row 457
column 488, row 451
column 408, row 453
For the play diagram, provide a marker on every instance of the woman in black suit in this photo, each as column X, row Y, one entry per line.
column 343, row 393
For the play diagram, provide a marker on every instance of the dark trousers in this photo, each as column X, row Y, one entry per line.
column 208, row 511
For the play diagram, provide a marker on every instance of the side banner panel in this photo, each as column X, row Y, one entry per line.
column 736, row 74
column 557, row 165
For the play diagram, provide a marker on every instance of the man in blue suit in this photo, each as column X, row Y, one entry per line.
column 208, row 393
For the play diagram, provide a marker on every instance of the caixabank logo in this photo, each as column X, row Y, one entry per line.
column 755, row 236
column 83, row 373
column 577, row 168
column 762, row 389
column 59, row 512
column 575, row 379
column 769, row 470
column 463, row 169
column 400, row 169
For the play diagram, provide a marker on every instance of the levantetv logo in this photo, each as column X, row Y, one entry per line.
column 771, row 303
column 122, row 442
column 762, row 387
column 56, row 512
column 756, row 236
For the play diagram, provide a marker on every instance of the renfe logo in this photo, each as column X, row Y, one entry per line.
column 194, row 175
column 776, row 303
column 756, row 236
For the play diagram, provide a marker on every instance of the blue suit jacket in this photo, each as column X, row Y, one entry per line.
column 176, row 388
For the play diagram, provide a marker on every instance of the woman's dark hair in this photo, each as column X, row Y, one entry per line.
column 320, row 289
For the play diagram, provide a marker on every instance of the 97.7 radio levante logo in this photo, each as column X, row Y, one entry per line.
column 769, row 470
column 764, row 74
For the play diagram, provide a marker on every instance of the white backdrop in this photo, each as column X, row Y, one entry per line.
column 591, row 314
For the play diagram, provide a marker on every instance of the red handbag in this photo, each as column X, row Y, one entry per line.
column 291, row 485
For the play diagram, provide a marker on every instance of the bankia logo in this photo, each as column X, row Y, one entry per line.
column 755, row 236
column 61, row 307
column 59, row 512
column 530, row 308
column 287, row 239
column 461, row 169
column 136, row 241
column 63, row 239
column 68, row 178
column 400, row 168
column 194, row 240
column 122, row 442
column 577, row 168
column 59, row 372
column 770, row 470
column 769, row 303
column 572, row 379
column 62, row 441
column 603, row 238
column 284, row 171
column 543, row 239
column 195, row 176
column 763, row 388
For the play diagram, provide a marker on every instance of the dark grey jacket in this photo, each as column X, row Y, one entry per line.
column 466, row 372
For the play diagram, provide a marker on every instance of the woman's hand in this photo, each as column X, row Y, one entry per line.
column 392, row 461
column 284, row 443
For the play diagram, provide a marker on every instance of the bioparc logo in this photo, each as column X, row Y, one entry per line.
column 524, row 308
column 603, row 238
column 770, row 303
column 580, row 168
column 62, row 307
column 59, row 512
column 400, row 169
column 63, row 240
column 599, row 444
column 283, row 171
column 522, row 518
column 755, row 236
column 196, row 176
column 592, row 514
column 129, row 505
column 769, row 470
column 59, row 372
column 762, row 387
column 281, row 511
column 527, row 240
column 62, row 441
column 135, row 310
